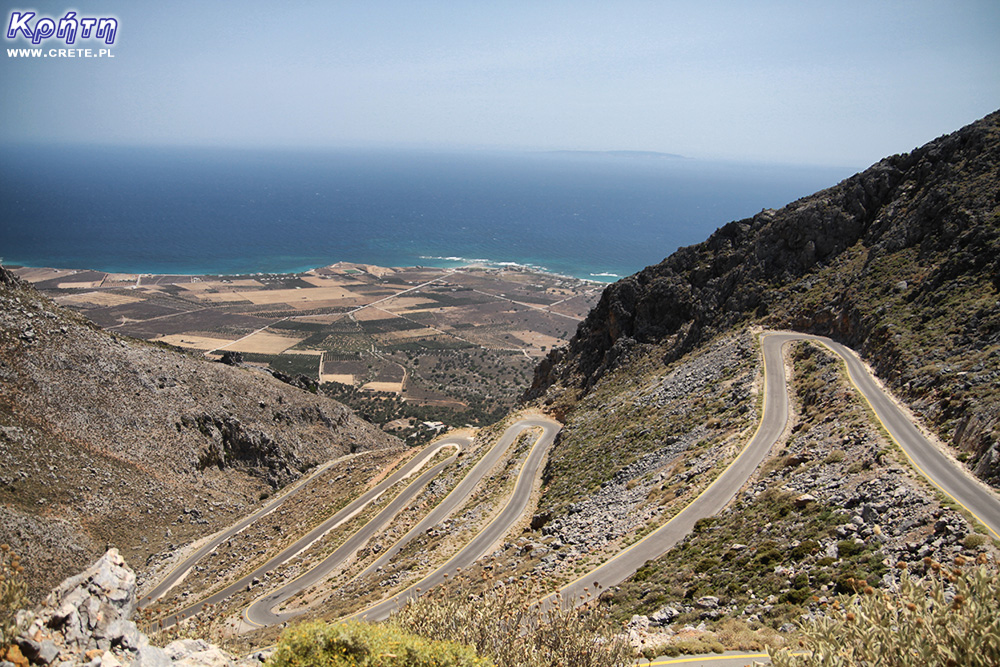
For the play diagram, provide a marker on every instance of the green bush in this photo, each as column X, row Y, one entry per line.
column 797, row 595
column 849, row 548
column 974, row 540
column 804, row 549
column 944, row 619
column 354, row 644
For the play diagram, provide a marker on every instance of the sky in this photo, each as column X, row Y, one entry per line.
column 841, row 83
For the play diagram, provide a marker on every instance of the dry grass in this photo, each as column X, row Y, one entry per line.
column 87, row 284
column 339, row 378
column 505, row 624
column 193, row 342
column 98, row 299
column 946, row 617
column 263, row 342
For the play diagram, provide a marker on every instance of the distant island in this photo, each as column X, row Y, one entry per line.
column 629, row 154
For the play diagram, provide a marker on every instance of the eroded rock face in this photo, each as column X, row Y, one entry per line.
column 86, row 620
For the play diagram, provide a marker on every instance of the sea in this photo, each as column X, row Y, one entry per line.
column 179, row 210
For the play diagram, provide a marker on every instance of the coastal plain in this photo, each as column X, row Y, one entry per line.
column 445, row 338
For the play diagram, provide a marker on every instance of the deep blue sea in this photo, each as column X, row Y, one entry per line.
column 216, row 211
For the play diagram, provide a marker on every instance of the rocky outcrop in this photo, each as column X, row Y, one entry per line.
column 901, row 261
column 87, row 620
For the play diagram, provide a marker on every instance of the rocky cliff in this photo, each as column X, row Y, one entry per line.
column 106, row 440
column 901, row 261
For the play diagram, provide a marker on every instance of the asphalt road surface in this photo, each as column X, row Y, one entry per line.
column 946, row 474
column 728, row 659
column 345, row 514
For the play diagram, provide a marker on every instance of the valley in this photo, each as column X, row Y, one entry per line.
column 798, row 409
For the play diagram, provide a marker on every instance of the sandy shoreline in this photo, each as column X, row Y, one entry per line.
column 37, row 274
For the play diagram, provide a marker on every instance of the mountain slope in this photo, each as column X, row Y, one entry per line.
column 901, row 262
column 111, row 440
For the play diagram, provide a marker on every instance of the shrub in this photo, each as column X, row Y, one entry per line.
column 13, row 595
column 797, row 595
column 974, row 540
column 505, row 625
column 354, row 644
column 947, row 618
column 769, row 555
column 805, row 548
column 849, row 548
column 836, row 456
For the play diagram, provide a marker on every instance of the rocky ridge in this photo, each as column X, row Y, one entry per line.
column 109, row 441
column 901, row 262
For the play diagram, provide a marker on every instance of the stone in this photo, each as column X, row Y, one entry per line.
column 181, row 648
column 108, row 659
column 29, row 648
column 664, row 616
column 212, row 656
column 804, row 500
column 151, row 656
column 124, row 633
column 90, row 614
column 639, row 622
column 15, row 657
column 707, row 602
column 48, row 651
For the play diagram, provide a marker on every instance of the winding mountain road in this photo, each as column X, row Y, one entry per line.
column 483, row 542
column 350, row 511
column 947, row 475
column 927, row 458
column 260, row 612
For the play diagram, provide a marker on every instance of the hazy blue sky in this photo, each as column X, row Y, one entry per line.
column 832, row 82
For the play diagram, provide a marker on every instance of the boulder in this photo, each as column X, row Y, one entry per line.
column 86, row 620
column 707, row 602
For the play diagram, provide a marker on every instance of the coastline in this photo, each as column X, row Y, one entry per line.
column 436, row 262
